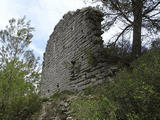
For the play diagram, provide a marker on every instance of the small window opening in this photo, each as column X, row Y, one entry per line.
column 85, row 75
column 72, row 28
column 82, row 31
column 73, row 62
column 57, row 85
column 82, row 57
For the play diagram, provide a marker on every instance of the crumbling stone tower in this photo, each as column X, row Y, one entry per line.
column 72, row 56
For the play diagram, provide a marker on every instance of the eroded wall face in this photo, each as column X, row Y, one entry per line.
column 72, row 53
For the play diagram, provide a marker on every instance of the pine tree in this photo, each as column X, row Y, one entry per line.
column 136, row 15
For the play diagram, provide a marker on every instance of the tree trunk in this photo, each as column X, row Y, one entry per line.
column 137, row 24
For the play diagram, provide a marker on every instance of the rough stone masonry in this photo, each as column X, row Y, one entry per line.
column 73, row 60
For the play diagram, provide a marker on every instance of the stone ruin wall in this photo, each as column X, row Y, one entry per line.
column 72, row 59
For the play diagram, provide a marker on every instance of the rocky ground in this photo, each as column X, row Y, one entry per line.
column 57, row 108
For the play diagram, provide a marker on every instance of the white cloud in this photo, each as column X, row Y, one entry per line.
column 37, row 50
column 44, row 15
column 5, row 15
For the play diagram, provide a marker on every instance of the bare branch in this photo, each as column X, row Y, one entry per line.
column 155, row 14
column 107, row 25
column 150, row 10
column 122, row 33
column 155, row 22
column 119, row 9
column 111, row 14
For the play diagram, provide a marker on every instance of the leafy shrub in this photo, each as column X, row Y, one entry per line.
column 84, row 108
column 19, row 107
column 18, row 98
column 133, row 95
column 137, row 92
column 119, row 53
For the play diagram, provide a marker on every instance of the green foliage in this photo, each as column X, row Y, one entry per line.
column 85, row 109
column 18, row 98
column 92, row 104
column 137, row 92
column 15, row 39
column 88, row 90
column 107, row 109
column 133, row 95
column 92, row 60
column 19, row 107
column 19, row 72
column 60, row 96
column 117, row 54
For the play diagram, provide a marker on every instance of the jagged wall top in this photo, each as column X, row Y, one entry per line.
column 71, row 14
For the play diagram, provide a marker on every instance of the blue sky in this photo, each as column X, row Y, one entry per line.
column 44, row 15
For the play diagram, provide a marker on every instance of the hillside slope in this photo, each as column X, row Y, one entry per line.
column 134, row 94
